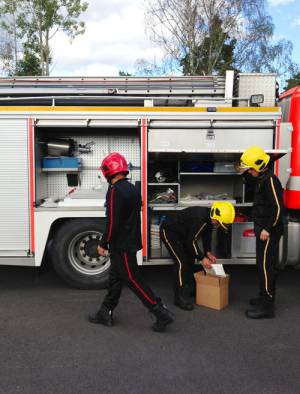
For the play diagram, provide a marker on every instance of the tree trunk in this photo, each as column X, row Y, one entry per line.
column 47, row 53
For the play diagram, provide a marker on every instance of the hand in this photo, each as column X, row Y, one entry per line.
column 102, row 252
column 206, row 263
column 238, row 168
column 264, row 235
column 211, row 257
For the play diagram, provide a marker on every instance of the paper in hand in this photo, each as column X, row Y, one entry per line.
column 216, row 269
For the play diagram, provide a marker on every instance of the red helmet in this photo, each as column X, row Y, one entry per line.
column 113, row 164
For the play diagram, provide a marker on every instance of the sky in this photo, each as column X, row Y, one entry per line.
column 115, row 38
column 286, row 17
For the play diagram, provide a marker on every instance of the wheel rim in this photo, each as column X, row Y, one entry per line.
column 83, row 255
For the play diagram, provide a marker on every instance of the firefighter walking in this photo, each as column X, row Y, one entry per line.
column 122, row 237
column 180, row 235
column 268, row 227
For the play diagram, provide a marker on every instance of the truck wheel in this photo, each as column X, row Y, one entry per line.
column 75, row 257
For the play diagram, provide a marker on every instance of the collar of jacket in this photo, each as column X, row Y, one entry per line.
column 265, row 174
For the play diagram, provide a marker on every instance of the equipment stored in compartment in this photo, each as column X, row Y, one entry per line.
column 61, row 163
column 65, row 147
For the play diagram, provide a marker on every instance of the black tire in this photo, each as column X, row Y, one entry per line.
column 74, row 254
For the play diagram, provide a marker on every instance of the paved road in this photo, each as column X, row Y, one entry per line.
column 47, row 346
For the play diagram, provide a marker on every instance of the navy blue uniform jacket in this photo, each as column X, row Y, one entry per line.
column 123, row 218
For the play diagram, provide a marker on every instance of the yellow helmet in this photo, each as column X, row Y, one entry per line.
column 223, row 212
column 254, row 157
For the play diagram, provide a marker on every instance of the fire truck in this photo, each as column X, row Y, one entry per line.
column 181, row 137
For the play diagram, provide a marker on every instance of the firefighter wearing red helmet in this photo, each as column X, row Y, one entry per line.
column 122, row 237
column 114, row 164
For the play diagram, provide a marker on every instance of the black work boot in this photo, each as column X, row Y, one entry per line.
column 255, row 301
column 182, row 300
column 102, row 316
column 264, row 310
column 163, row 317
column 260, row 299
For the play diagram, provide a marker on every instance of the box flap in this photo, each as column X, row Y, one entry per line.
column 211, row 280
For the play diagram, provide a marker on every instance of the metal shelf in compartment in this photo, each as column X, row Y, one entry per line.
column 163, row 184
column 209, row 173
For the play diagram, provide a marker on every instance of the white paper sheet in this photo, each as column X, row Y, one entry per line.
column 216, row 269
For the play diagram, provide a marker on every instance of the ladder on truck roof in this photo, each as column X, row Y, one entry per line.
column 195, row 85
column 186, row 91
column 141, row 91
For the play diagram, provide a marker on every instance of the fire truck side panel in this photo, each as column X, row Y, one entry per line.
column 283, row 141
column 290, row 103
column 293, row 186
column 292, row 239
column 14, row 191
column 192, row 140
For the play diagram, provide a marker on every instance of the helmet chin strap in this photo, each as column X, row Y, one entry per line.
column 223, row 226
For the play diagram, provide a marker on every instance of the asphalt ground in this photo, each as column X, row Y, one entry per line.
column 48, row 346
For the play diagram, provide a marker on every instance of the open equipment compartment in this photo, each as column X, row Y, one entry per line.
column 55, row 182
column 205, row 151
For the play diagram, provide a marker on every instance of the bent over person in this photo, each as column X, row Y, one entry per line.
column 180, row 235
column 122, row 237
column 268, row 227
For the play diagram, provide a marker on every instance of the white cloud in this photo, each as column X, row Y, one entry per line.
column 297, row 21
column 114, row 39
column 280, row 2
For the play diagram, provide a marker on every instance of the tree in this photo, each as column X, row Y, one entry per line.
column 209, row 62
column 124, row 74
column 256, row 50
column 6, row 56
column 33, row 23
column 201, row 35
column 143, row 67
column 293, row 81
column 29, row 64
column 42, row 19
column 10, row 35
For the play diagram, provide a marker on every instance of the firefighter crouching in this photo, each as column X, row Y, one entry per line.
column 268, row 227
column 180, row 234
column 122, row 237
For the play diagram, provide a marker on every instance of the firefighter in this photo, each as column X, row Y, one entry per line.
column 122, row 238
column 180, row 234
column 268, row 227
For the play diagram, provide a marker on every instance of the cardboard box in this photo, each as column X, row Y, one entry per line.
column 211, row 290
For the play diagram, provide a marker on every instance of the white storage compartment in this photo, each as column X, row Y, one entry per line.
column 14, row 192
column 243, row 240
column 257, row 83
column 191, row 140
column 293, row 251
